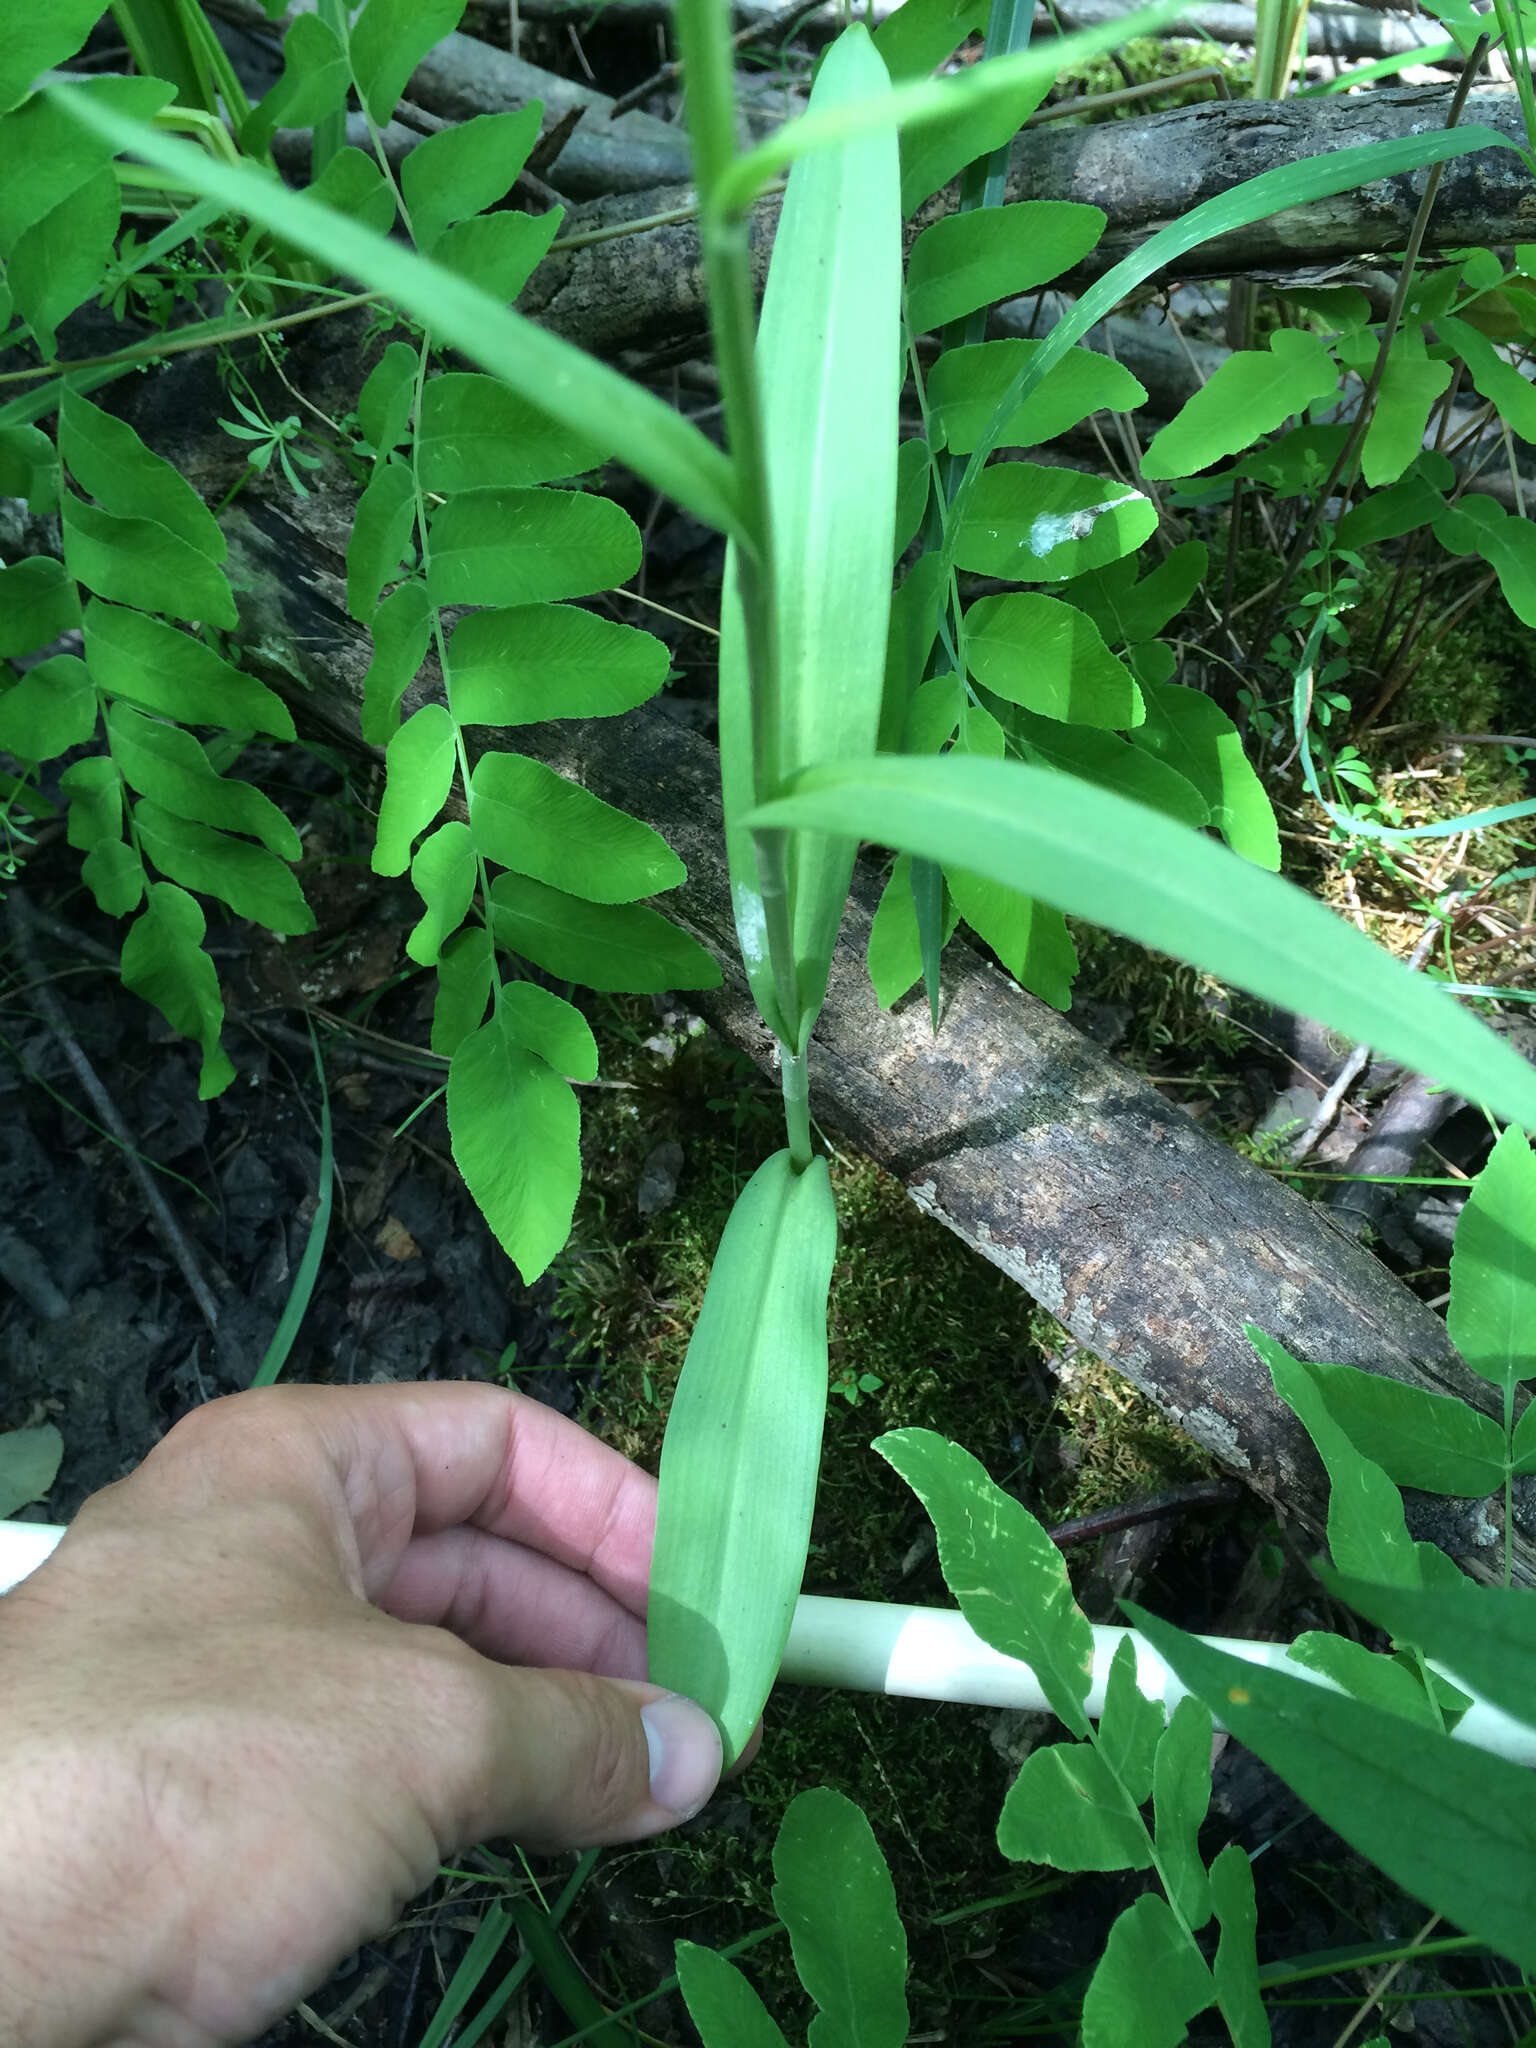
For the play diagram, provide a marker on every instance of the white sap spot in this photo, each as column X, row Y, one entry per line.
column 1052, row 528
column 751, row 924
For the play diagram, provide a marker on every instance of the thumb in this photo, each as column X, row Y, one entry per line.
column 567, row 1760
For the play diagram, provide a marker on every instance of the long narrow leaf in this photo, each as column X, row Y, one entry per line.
column 828, row 358
column 1096, row 855
column 560, row 380
column 738, row 1464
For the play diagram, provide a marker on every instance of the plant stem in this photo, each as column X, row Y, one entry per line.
column 703, row 29
column 794, row 1076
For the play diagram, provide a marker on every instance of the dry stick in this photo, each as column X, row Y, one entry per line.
column 755, row 32
column 1347, row 454
column 161, row 1220
column 1199, row 1493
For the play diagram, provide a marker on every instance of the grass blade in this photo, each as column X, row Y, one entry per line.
column 275, row 1357
column 1096, row 855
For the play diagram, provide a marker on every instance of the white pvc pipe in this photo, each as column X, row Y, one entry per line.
column 932, row 1653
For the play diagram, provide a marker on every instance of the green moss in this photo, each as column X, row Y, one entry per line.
column 1146, row 58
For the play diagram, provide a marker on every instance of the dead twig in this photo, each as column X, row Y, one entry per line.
column 1200, row 1493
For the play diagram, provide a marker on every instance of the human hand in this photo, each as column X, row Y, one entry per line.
column 268, row 1682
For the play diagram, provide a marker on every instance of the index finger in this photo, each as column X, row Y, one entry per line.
column 413, row 1459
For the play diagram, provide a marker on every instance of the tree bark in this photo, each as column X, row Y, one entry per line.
column 1152, row 1242
column 646, row 288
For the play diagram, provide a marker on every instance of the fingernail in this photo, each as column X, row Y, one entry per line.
column 685, row 1753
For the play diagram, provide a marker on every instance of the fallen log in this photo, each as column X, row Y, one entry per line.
column 1151, row 1241
column 646, row 288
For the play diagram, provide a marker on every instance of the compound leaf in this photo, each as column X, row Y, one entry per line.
column 389, row 39
column 516, row 1132
column 514, row 547
column 151, row 664
column 461, row 170
column 537, row 661
column 600, row 945
column 1029, row 524
column 1036, row 651
column 419, row 765
column 166, row 763
column 1492, row 1314
column 965, row 261
column 833, row 1891
column 1150, row 1982
column 164, row 962
column 253, row 882
column 50, row 709
column 443, row 874
column 38, row 602
column 526, row 817
column 476, row 435
column 1249, row 394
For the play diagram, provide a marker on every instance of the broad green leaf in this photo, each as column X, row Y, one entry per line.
column 1130, row 1727
column 139, row 562
column 152, row 665
column 1150, row 1981
column 516, row 1132
column 1128, row 606
column 965, row 261
column 29, row 468
column 1432, row 1441
column 917, row 36
column 1416, row 499
column 526, row 817
column 165, row 763
column 833, row 1891
column 402, row 632
column 574, row 388
column 1095, row 855
column 464, row 977
column 1365, row 1675
column 1181, row 1795
column 106, row 458
column 499, row 252
column 1492, row 1314
column 1035, row 525
column 828, row 357
column 1110, row 762
column 1065, row 1808
column 383, row 523
column 1028, row 937
column 1189, row 732
column 384, row 403
column 1484, row 1635
column 730, row 1550
column 548, row 1025
column 1009, row 1578
column 966, row 386
column 721, row 2003
column 933, row 714
column 1048, row 656
column 476, row 434
column 895, row 958
column 253, row 882
column 1476, row 525
column 45, row 155
column 1409, row 387
column 29, row 1464
column 1249, row 394
column 1236, row 1969
column 1366, row 1530
column 443, row 874
column 38, row 602
column 57, row 263
column 389, row 39
column 114, row 874
column 509, row 547
column 164, row 962
column 1523, row 1443
column 464, row 169
column 52, row 708
column 939, row 150
column 1453, row 1826
column 37, row 39
column 541, row 661
column 419, row 765
column 313, row 84
column 353, row 183
column 95, row 792
column 1495, row 377
column 599, row 945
